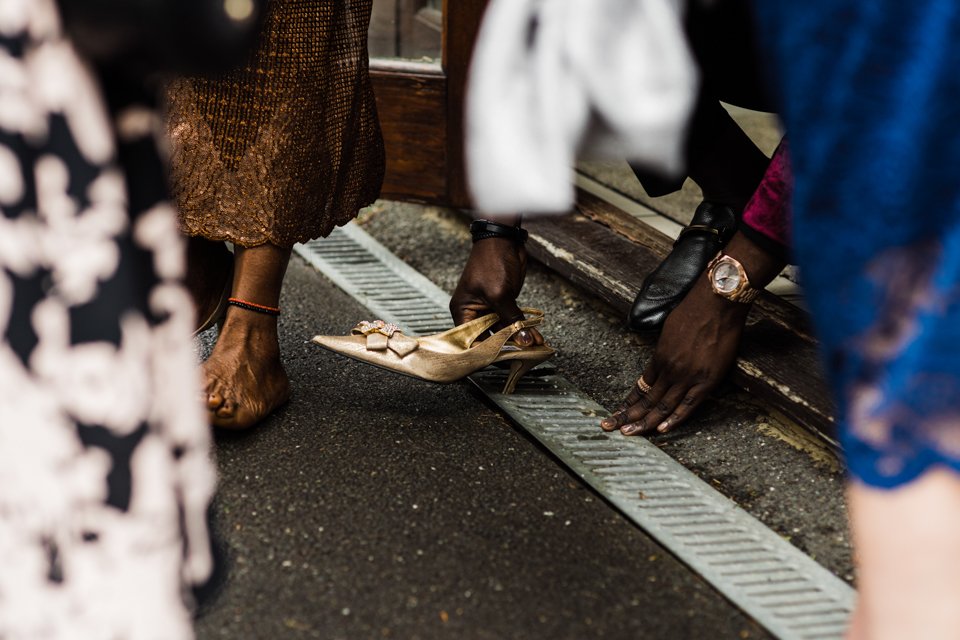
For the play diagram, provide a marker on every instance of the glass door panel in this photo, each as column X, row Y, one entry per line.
column 407, row 29
column 420, row 52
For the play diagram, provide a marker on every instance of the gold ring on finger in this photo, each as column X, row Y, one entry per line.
column 643, row 385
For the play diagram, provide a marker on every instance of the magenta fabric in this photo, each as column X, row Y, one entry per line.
column 768, row 211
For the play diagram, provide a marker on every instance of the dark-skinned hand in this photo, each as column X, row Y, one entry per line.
column 696, row 349
column 490, row 283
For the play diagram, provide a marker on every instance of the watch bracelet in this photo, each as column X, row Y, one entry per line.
column 483, row 229
column 749, row 296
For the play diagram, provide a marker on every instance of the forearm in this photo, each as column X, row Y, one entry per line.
column 761, row 265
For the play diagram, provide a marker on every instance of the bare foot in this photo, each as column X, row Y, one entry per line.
column 244, row 377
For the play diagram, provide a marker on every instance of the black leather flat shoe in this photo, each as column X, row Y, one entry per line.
column 712, row 227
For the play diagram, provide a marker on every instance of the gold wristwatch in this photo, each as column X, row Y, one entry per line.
column 729, row 280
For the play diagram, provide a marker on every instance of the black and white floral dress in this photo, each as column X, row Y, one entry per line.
column 105, row 473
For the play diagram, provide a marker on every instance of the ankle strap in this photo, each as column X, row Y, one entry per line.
column 537, row 317
column 501, row 337
column 253, row 306
column 470, row 331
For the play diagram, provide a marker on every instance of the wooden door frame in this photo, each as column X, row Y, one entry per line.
column 421, row 113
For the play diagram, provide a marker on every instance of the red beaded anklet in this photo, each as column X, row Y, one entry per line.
column 253, row 306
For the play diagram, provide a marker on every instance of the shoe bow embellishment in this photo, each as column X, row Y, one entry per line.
column 385, row 335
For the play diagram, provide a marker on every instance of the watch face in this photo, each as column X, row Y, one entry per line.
column 726, row 277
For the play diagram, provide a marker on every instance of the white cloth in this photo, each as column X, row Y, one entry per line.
column 555, row 79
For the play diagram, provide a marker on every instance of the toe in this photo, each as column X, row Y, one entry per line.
column 233, row 416
column 226, row 410
column 214, row 401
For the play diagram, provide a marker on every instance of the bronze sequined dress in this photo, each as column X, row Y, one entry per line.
column 289, row 146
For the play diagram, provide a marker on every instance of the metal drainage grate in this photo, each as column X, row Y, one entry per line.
column 768, row 578
column 379, row 280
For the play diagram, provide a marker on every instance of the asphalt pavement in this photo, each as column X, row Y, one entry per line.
column 378, row 506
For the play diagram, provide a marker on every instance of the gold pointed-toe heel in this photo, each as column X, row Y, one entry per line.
column 443, row 357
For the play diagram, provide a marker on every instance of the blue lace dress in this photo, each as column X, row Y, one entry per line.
column 870, row 92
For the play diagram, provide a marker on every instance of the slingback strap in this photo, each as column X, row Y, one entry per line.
column 500, row 338
column 466, row 334
column 534, row 321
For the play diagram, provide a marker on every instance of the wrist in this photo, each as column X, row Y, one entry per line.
column 703, row 297
column 488, row 229
column 760, row 265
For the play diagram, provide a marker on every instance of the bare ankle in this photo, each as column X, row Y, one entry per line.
column 250, row 328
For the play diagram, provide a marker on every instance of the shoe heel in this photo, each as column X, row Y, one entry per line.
column 518, row 369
